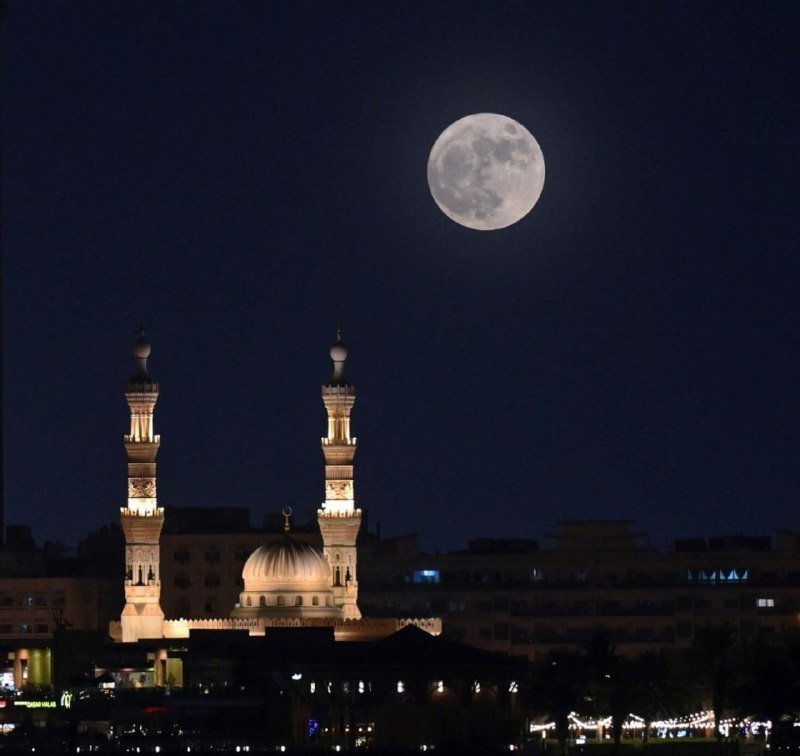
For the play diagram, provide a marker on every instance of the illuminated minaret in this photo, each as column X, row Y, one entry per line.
column 339, row 520
column 142, row 519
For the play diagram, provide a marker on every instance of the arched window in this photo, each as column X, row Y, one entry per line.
column 315, row 601
column 262, row 600
column 281, row 600
column 328, row 601
column 298, row 600
column 249, row 601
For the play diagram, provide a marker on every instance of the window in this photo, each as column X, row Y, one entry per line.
column 211, row 606
column 298, row 600
column 315, row 601
column 41, row 629
column 249, row 601
column 241, row 554
column 281, row 600
column 212, row 555
column 457, row 606
column 426, row 576
column 181, row 581
column 262, row 600
column 212, row 580
column 765, row 602
column 25, row 628
column 712, row 576
column 182, row 556
column 6, row 629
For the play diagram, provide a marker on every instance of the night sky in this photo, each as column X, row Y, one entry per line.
column 242, row 176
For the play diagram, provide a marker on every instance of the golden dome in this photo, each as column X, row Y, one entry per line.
column 286, row 565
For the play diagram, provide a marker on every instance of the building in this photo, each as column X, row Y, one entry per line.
column 514, row 596
column 287, row 581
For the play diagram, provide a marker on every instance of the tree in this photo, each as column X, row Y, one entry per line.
column 714, row 663
column 770, row 686
column 558, row 685
column 655, row 686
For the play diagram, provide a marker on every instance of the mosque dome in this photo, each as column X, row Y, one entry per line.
column 286, row 563
column 286, row 578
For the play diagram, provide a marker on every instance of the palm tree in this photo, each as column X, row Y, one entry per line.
column 770, row 687
column 714, row 662
column 558, row 687
column 656, row 687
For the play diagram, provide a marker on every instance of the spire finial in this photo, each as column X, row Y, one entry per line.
column 287, row 514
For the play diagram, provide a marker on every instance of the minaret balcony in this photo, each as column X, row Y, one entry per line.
column 339, row 510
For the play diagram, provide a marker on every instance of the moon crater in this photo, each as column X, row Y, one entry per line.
column 486, row 171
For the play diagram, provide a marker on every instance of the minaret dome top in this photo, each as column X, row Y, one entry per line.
column 141, row 351
column 339, row 357
column 141, row 347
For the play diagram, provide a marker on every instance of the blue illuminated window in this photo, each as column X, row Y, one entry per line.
column 724, row 575
column 426, row 576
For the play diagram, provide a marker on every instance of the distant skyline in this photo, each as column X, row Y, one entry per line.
column 243, row 178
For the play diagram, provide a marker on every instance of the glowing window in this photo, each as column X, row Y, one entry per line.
column 401, row 688
column 426, row 576
column 765, row 602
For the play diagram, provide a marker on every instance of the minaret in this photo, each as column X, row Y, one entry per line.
column 339, row 520
column 142, row 519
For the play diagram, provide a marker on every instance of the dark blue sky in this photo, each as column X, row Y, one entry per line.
column 242, row 175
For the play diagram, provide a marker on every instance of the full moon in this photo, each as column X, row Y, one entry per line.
column 486, row 171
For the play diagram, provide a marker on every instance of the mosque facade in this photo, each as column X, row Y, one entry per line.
column 286, row 583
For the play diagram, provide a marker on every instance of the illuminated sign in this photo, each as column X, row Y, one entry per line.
column 36, row 704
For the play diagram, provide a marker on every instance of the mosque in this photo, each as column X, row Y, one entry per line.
column 287, row 583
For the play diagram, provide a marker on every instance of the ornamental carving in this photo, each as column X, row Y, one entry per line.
column 141, row 488
column 339, row 489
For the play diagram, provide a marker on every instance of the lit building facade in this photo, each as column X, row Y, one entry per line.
column 286, row 582
column 142, row 519
column 515, row 597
